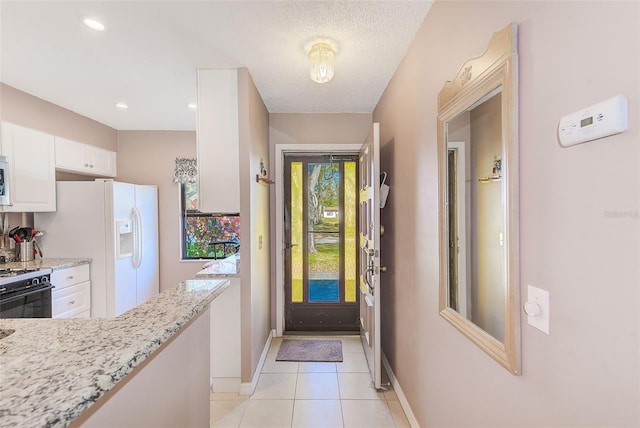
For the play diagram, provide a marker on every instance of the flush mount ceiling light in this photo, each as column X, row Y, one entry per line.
column 94, row 24
column 321, row 54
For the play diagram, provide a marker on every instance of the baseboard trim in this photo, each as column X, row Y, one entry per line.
column 225, row 384
column 247, row 388
column 401, row 397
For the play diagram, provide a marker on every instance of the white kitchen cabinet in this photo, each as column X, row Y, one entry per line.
column 225, row 339
column 32, row 174
column 218, row 141
column 80, row 158
column 102, row 162
column 71, row 297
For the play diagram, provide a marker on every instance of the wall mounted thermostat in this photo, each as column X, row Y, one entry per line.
column 600, row 120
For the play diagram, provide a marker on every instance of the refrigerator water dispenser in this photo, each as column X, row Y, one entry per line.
column 124, row 239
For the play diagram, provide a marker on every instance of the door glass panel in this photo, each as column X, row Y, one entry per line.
column 323, row 202
column 321, row 257
column 350, row 266
column 297, row 262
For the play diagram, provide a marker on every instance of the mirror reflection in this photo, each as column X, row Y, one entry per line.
column 475, row 217
column 478, row 200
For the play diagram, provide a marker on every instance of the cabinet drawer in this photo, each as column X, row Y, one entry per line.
column 71, row 301
column 64, row 278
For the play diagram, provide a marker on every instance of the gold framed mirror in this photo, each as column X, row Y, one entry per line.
column 478, row 200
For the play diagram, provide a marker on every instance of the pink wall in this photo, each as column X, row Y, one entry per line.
column 578, row 216
column 148, row 157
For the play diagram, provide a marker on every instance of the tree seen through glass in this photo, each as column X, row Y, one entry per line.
column 207, row 236
column 323, row 231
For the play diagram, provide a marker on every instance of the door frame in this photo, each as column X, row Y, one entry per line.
column 464, row 304
column 280, row 151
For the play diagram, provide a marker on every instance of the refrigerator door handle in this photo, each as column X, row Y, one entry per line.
column 137, row 236
column 134, row 226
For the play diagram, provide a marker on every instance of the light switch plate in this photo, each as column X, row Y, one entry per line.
column 540, row 298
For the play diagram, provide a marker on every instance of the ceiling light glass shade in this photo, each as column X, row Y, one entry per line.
column 321, row 59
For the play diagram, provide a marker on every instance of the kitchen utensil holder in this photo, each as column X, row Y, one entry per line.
column 24, row 251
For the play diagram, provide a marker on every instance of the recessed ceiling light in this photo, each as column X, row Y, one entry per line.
column 94, row 24
column 122, row 106
column 192, row 106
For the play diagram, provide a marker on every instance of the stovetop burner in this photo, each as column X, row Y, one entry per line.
column 18, row 275
column 4, row 273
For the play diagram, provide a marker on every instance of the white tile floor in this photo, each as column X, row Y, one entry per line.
column 323, row 395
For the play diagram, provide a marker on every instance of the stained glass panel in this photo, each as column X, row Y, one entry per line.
column 350, row 267
column 297, row 262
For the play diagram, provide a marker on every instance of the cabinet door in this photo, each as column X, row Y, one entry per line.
column 71, row 301
column 84, row 159
column 32, row 173
column 218, row 141
column 70, row 155
column 101, row 162
column 63, row 278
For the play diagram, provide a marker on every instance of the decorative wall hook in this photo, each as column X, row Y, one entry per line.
column 263, row 176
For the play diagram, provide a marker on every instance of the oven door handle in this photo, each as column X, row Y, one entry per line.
column 27, row 293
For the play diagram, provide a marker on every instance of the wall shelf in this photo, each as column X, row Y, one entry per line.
column 265, row 180
column 490, row 179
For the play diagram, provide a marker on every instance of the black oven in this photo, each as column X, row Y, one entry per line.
column 25, row 294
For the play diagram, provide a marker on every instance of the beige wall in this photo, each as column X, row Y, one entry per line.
column 253, row 123
column 304, row 129
column 23, row 109
column 318, row 128
column 148, row 157
column 26, row 110
column 578, row 216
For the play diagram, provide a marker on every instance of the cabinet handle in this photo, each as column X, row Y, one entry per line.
column 73, row 302
column 91, row 165
column 70, row 277
column 86, row 165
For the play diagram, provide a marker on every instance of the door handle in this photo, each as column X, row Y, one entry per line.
column 289, row 246
column 376, row 269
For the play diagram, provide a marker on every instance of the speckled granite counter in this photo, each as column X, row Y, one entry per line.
column 51, row 370
column 46, row 263
column 222, row 268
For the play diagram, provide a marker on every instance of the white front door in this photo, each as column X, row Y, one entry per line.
column 370, row 252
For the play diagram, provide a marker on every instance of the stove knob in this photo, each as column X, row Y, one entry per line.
column 35, row 281
column 44, row 279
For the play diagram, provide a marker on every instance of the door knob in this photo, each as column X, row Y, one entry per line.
column 375, row 270
column 381, row 230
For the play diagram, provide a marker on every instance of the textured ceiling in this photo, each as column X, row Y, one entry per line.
column 149, row 52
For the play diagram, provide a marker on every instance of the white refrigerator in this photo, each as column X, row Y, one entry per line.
column 116, row 225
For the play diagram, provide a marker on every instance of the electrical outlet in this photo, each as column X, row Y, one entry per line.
column 537, row 308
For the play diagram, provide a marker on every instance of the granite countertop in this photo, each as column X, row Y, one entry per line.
column 46, row 263
column 51, row 370
column 221, row 268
